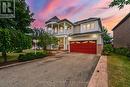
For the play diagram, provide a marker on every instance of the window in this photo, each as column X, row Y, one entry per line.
column 84, row 26
column 88, row 26
column 56, row 30
column 61, row 29
column 92, row 25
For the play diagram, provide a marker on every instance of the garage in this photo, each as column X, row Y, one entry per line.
column 89, row 47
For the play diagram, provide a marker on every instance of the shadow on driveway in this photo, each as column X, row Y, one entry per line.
column 63, row 70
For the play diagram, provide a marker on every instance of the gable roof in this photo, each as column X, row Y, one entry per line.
column 66, row 20
column 86, row 20
column 53, row 19
column 122, row 21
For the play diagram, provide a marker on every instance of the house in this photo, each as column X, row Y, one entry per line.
column 121, row 33
column 83, row 36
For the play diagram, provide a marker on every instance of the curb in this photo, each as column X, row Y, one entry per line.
column 20, row 63
column 100, row 77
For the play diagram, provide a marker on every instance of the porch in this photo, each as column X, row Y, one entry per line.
column 62, row 43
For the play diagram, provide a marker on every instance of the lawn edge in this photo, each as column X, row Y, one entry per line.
column 20, row 63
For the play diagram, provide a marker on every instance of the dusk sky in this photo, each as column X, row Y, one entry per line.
column 76, row 10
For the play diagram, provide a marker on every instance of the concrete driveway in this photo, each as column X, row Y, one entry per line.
column 62, row 70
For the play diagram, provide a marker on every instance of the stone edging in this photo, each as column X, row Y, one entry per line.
column 100, row 76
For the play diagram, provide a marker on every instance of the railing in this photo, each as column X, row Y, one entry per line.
column 65, row 32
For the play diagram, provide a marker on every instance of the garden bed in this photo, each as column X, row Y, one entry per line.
column 14, row 58
column 9, row 62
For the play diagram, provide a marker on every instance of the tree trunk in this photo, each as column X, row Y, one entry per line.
column 4, row 55
column 44, row 48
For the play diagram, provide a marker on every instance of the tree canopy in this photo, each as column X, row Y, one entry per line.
column 106, row 37
column 13, row 40
column 47, row 39
column 119, row 3
column 22, row 20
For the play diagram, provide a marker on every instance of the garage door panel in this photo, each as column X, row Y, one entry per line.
column 83, row 47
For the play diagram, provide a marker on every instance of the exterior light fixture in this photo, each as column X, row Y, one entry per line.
column 69, row 38
column 94, row 35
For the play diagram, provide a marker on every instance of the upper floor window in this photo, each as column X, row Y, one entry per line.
column 56, row 30
column 61, row 29
column 84, row 26
column 92, row 25
column 88, row 26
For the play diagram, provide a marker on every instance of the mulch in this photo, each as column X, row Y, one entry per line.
column 9, row 62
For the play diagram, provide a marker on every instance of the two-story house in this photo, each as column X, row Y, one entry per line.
column 84, row 36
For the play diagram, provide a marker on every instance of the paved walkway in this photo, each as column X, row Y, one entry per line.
column 100, row 76
column 63, row 70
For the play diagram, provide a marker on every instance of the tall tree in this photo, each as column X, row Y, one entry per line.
column 119, row 3
column 106, row 37
column 13, row 40
column 22, row 20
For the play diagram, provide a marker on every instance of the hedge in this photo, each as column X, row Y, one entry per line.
column 122, row 51
column 31, row 56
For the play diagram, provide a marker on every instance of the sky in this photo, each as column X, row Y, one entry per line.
column 76, row 10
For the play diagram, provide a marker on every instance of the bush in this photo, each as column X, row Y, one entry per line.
column 128, row 55
column 107, row 49
column 31, row 56
column 122, row 51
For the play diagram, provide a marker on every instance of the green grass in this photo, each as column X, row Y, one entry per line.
column 14, row 56
column 118, row 71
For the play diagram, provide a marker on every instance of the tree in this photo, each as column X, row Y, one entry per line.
column 22, row 20
column 119, row 3
column 106, row 37
column 47, row 39
column 13, row 40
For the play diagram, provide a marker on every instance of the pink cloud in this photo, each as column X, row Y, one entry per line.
column 37, row 24
column 78, row 10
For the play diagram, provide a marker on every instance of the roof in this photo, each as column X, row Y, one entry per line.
column 53, row 19
column 94, row 32
column 86, row 20
column 122, row 21
column 66, row 20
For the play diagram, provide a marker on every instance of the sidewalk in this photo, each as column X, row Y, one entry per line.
column 100, row 76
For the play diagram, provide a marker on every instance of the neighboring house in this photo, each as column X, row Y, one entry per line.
column 121, row 33
column 83, row 36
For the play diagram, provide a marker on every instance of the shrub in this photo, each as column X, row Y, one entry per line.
column 107, row 49
column 122, row 51
column 31, row 56
column 128, row 55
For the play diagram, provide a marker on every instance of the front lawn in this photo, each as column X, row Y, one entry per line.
column 14, row 56
column 118, row 71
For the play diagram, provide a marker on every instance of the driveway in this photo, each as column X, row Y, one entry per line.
column 62, row 70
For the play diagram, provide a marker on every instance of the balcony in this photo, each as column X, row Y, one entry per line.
column 62, row 32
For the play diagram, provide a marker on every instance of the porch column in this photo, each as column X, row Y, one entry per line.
column 65, row 28
column 65, row 44
column 52, row 31
column 58, row 28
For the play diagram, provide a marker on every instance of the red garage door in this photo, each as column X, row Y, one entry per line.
column 83, row 47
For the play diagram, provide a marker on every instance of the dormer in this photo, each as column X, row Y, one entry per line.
column 54, row 19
